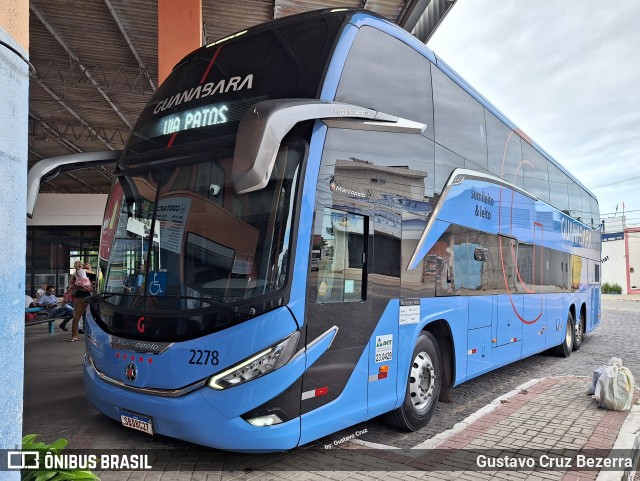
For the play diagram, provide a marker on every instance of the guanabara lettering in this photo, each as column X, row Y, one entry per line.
column 233, row 84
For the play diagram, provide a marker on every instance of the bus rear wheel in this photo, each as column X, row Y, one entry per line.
column 580, row 330
column 565, row 348
column 423, row 386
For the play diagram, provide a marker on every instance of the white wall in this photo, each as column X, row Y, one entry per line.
column 68, row 209
column 614, row 268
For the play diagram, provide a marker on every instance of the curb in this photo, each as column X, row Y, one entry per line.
column 439, row 438
column 628, row 439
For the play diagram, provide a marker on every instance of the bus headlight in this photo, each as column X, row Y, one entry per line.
column 258, row 365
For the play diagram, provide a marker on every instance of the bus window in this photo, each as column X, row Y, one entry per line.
column 507, row 264
column 341, row 268
column 445, row 269
column 504, row 151
column 484, row 263
column 459, row 120
column 525, row 271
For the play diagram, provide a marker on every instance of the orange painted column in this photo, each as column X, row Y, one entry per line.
column 179, row 32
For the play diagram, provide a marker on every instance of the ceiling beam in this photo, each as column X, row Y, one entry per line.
column 75, row 132
column 411, row 13
column 107, row 76
column 63, row 44
column 54, row 133
column 72, row 147
column 78, row 179
column 421, row 17
column 130, row 43
column 75, row 114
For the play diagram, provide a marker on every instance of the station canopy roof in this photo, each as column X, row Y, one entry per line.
column 96, row 67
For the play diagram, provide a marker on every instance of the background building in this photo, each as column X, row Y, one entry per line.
column 64, row 228
column 621, row 254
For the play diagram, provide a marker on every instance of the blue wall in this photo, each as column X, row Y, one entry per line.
column 14, row 108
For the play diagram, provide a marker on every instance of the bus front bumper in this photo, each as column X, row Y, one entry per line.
column 190, row 418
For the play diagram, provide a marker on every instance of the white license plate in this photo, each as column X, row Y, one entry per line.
column 136, row 421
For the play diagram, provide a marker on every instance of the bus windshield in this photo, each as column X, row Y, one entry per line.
column 180, row 238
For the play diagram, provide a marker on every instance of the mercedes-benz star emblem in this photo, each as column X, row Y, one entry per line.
column 131, row 372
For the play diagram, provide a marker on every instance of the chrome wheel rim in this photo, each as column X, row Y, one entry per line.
column 422, row 382
column 567, row 336
column 579, row 331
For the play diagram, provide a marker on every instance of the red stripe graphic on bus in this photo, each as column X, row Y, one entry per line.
column 173, row 137
column 504, row 273
column 213, row 59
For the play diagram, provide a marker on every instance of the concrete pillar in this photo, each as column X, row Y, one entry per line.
column 14, row 109
column 179, row 32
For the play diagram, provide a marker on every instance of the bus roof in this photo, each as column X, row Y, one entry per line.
column 359, row 17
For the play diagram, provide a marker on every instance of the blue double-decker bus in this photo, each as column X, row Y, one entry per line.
column 316, row 222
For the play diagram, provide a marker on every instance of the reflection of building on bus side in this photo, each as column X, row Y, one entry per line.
column 390, row 189
column 380, row 183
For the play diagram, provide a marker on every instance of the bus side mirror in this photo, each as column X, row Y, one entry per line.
column 48, row 168
column 266, row 123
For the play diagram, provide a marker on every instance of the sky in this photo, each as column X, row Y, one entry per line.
column 567, row 73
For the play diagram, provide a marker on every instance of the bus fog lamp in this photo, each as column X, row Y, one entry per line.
column 268, row 420
column 258, row 365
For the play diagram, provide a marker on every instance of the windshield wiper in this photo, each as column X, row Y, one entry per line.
column 247, row 311
column 102, row 295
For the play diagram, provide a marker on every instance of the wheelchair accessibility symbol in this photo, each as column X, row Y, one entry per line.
column 157, row 284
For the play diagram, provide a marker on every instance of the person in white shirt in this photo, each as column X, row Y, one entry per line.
column 50, row 302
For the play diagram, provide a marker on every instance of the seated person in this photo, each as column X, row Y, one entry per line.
column 30, row 308
column 68, row 296
column 50, row 302
column 135, row 281
column 28, row 302
column 41, row 292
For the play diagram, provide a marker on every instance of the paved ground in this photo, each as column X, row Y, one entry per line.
column 55, row 407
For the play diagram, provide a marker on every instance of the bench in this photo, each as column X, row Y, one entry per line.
column 41, row 317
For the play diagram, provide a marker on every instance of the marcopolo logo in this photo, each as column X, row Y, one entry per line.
column 341, row 190
column 131, row 372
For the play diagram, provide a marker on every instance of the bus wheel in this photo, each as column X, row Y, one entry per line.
column 565, row 348
column 579, row 334
column 423, row 386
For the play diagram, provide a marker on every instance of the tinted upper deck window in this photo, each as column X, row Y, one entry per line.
column 207, row 94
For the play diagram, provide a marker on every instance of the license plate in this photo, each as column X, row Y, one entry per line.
column 137, row 421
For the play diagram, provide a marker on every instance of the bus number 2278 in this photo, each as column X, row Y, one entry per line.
column 197, row 355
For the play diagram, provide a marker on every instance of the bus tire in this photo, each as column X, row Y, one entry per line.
column 565, row 348
column 579, row 334
column 423, row 386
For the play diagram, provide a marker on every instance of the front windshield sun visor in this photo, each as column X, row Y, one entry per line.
column 266, row 123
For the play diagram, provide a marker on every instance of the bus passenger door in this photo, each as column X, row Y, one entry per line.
column 385, row 266
column 337, row 298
